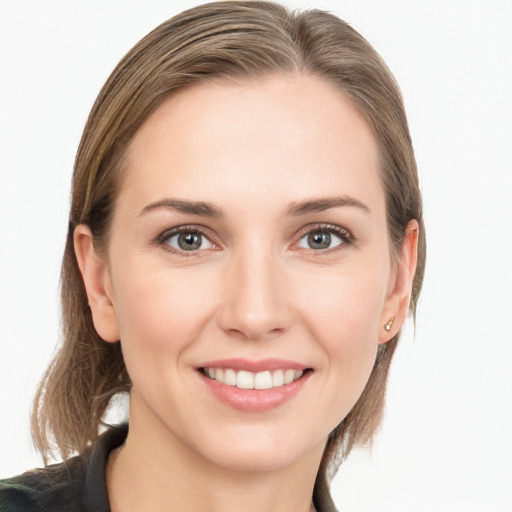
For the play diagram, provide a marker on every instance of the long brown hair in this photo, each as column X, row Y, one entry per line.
column 233, row 40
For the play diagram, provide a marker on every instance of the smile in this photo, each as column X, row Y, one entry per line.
column 254, row 386
column 244, row 379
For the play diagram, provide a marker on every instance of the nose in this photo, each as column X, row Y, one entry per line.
column 255, row 301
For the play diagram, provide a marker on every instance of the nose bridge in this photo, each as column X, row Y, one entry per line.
column 255, row 302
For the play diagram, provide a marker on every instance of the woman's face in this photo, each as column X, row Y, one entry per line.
column 249, row 248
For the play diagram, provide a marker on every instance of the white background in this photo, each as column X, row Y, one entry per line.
column 446, row 444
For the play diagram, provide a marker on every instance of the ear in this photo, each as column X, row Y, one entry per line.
column 96, row 277
column 398, row 299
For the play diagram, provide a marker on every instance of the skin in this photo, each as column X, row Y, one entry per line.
column 255, row 289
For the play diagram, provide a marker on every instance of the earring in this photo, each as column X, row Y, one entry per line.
column 389, row 324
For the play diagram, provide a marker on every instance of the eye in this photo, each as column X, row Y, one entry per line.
column 187, row 241
column 324, row 238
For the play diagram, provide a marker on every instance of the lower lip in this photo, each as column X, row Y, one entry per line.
column 255, row 400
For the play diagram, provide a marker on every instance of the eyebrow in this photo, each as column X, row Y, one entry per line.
column 182, row 206
column 295, row 208
column 324, row 203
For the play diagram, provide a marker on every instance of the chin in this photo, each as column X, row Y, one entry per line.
column 260, row 451
column 255, row 460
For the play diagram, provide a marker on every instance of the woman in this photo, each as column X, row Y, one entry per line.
column 245, row 242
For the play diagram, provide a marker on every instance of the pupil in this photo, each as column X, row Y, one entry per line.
column 319, row 240
column 189, row 241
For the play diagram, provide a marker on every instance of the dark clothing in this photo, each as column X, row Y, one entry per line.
column 77, row 485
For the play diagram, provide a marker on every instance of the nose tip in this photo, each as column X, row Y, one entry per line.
column 254, row 325
column 255, row 303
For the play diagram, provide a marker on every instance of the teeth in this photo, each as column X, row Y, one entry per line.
column 244, row 380
column 229, row 377
column 288, row 376
column 278, row 378
column 263, row 380
column 249, row 380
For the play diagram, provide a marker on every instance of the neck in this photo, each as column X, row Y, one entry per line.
column 158, row 473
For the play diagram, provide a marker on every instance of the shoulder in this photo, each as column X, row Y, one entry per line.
column 49, row 488
column 77, row 485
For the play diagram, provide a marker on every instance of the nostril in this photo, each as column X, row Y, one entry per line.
column 253, row 304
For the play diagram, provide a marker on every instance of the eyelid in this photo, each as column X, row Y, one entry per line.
column 162, row 238
column 346, row 236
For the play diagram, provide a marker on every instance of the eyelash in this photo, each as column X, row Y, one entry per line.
column 343, row 234
column 163, row 239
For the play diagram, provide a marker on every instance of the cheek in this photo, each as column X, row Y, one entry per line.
column 159, row 311
column 342, row 315
column 345, row 305
column 348, row 336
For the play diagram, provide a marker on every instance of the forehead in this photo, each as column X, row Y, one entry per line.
column 285, row 135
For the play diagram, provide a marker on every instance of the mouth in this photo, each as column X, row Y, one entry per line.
column 255, row 386
column 244, row 379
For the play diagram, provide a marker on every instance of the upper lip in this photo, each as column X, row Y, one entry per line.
column 255, row 366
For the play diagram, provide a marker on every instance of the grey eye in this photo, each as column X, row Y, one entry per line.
column 320, row 240
column 189, row 241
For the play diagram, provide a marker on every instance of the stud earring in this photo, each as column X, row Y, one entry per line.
column 389, row 324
